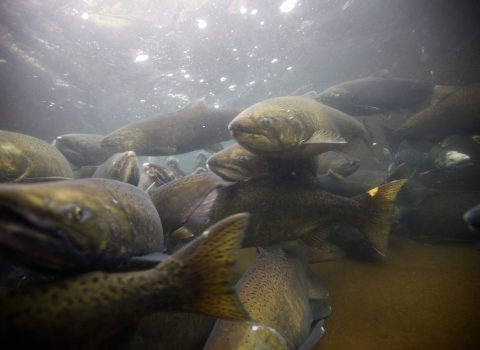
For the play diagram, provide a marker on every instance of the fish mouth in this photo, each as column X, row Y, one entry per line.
column 227, row 171
column 35, row 242
column 256, row 139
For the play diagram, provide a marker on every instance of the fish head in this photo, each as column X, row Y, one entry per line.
column 58, row 226
column 13, row 163
column 72, row 148
column 266, row 127
column 123, row 167
column 235, row 163
column 159, row 173
column 125, row 139
column 472, row 217
column 173, row 162
column 454, row 159
column 337, row 97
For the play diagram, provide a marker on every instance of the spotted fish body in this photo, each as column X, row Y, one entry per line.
column 24, row 157
column 77, row 225
column 276, row 293
column 286, row 213
column 94, row 310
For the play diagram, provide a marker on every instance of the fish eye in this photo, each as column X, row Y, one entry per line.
column 242, row 159
column 76, row 213
column 267, row 121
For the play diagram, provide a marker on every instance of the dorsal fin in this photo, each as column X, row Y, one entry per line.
column 311, row 94
column 441, row 92
column 384, row 73
column 197, row 104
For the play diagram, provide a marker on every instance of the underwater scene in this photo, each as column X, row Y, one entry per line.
column 240, row 174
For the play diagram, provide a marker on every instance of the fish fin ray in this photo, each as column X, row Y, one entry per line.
column 320, row 310
column 201, row 215
column 206, row 266
column 327, row 252
column 316, row 287
column 324, row 136
column 441, row 92
column 375, row 218
column 197, row 104
column 181, row 233
column 399, row 173
column 317, row 236
column 317, row 332
column 275, row 249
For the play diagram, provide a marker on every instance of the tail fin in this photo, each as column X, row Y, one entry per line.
column 204, row 269
column 375, row 218
column 392, row 139
column 399, row 173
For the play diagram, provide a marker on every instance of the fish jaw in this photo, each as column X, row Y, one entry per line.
column 128, row 170
column 264, row 127
column 455, row 159
column 36, row 242
column 69, row 150
column 229, row 172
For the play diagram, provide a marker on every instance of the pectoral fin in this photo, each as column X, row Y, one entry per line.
column 316, row 333
column 316, row 237
column 316, row 287
column 324, row 136
column 320, row 310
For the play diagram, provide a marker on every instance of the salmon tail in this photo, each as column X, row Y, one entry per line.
column 378, row 206
column 392, row 138
column 204, row 270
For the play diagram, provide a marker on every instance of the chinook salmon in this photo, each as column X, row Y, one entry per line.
column 294, row 127
column 189, row 198
column 378, row 93
column 24, row 157
column 189, row 129
column 100, row 310
column 78, row 225
column 121, row 167
column 455, row 114
column 286, row 213
column 281, row 297
column 82, row 149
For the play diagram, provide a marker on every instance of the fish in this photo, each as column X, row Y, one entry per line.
column 24, row 157
column 158, row 174
column 235, row 163
column 191, row 128
column 455, row 114
column 346, row 187
column 99, row 310
column 438, row 159
column 472, row 217
column 82, row 149
column 439, row 215
column 380, row 92
column 286, row 213
column 174, row 162
column 281, row 294
column 121, row 167
column 77, row 226
column 189, row 198
column 292, row 127
column 200, row 161
column 338, row 163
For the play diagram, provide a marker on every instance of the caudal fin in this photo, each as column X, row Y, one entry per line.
column 204, row 269
column 378, row 206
